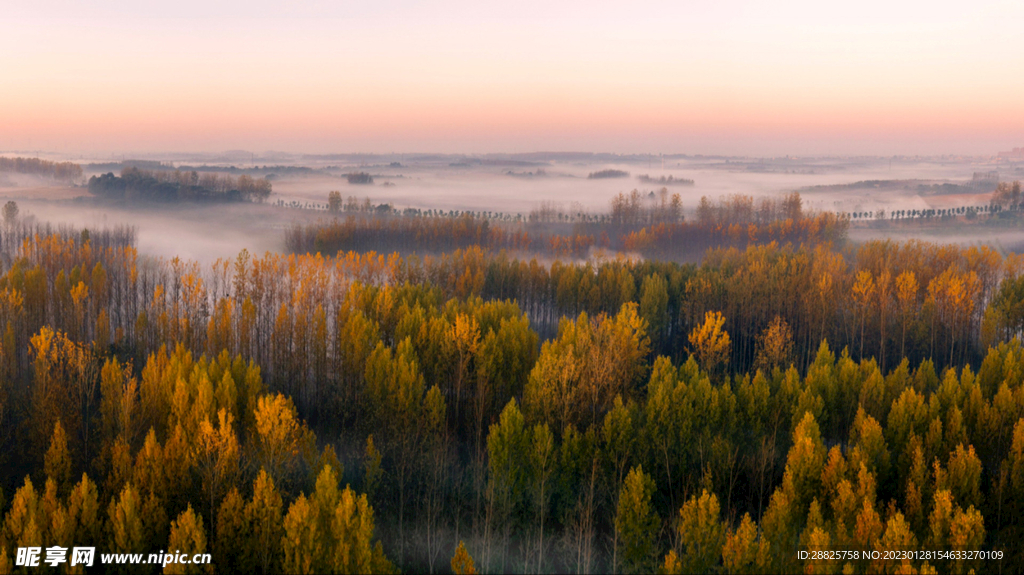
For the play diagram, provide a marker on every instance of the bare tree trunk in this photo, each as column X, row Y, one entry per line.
column 863, row 320
column 540, row 545
column 486, row 567
column 588, row 548
column 401, row 515
column 435, row 504
column 881, row 352
column 903, row 340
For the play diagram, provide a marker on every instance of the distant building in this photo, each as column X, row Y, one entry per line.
column 1016, row 154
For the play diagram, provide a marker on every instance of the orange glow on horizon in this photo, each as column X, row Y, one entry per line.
column 479, row 84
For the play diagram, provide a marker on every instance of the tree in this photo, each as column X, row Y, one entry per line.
column 964, row 476
column 1015, row 465
column 505, row 358
column 898, row 535
column 372, row 470
column 119, row 402
column 868, row 446
column 1008, row 305
column 579, row 374
column 541, row 459
column 739, row 552
column 397, row 405
column 868, row 529
column 262, row 188
column 302, row 542
column 438, row 466
column 701, row 533
column 334, row 202
column 804, row 463
column 263, row 515
column 637, row 523
column 61, row 385
column 231, row 549
column 226, row 395
column 462, row 563
column 127, row 534
column 508, row 447
column 352, row 528
column 863, row 292
column 10, row 212
column 280, row 435
column 669, row 415
column 188, row 537
column 57, row 463
column 774, row 346
column 464, row 336
column 83, row 512
column 324, row 502
column 25, row 525
column 779, row 534
column 884, row 290
column 710, row 342
column 217, row 455
column 654, row 307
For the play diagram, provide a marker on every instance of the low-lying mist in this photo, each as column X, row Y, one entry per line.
column 521, row 188
column 203, row 233
column 208, row 232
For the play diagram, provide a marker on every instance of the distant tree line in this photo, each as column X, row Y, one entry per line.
column 135, row 184
column 602, row 174
column 16, row 229
column 1005, row 203
column 61, row 171
column 359, row 178
column 943, row 214
column 271, row 171
column 742, row 210
column 735, row 221
column 651, row 225
column 636, row 208
column 665, row 180
column 365, row 232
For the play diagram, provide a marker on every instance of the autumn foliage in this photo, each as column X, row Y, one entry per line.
column 651, row 226
column 368, row 412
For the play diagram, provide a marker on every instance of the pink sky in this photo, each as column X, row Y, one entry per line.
column 788, row 77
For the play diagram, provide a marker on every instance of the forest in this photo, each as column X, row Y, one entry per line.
column 141, row 185
column 471, row 407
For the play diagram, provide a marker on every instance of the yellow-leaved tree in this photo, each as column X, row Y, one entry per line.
column 701, row 533
column 774, row 346
column 57, row 462
column 462, row 563
column 189, row 538
column 710, row 342
column 280, row 435
column 263, row 516
column 637, row 523
column 127, row 534
column 217, row 455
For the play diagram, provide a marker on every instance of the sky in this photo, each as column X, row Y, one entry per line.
column 798, row 77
